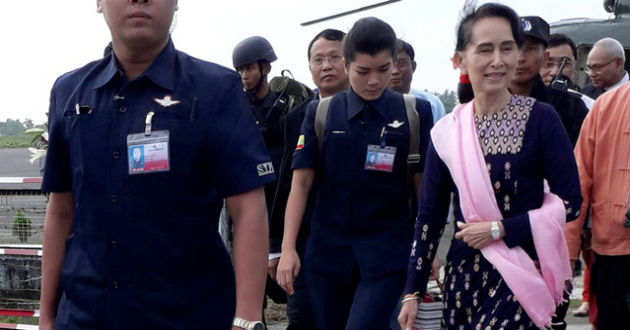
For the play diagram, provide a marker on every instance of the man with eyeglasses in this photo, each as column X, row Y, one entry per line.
column 561, row 47
column 527, row 81
column 403, row 74
column 605, row 67
column 327, row 70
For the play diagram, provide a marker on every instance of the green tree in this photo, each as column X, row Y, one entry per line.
column 22, row 226
column 448, row 98
column 11, row 127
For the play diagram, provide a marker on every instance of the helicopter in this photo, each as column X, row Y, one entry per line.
column 586, row 31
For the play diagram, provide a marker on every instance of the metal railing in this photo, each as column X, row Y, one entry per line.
column 22, row 212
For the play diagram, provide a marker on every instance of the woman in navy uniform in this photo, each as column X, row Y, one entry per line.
column 495, row 153
column 359, row 227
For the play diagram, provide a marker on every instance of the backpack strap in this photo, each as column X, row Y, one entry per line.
column 414, row 128
column 320, row 120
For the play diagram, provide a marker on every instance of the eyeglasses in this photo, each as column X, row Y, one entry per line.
column 332, row 59
column 597, row 67
column 551, row 64
column 403, row 63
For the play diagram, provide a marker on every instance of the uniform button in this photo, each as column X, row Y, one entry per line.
column 116, row 154
column 115, row 284
column 114, row 198
column 122, row 109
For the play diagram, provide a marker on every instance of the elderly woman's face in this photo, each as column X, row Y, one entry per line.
column 491, row 56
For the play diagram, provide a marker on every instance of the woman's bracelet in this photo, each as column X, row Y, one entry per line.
column 411, row 296
column 410, row 299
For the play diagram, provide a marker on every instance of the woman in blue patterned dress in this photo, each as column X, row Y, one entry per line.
column 508, row 263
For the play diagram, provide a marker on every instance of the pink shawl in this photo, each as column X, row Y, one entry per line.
column 456, row 142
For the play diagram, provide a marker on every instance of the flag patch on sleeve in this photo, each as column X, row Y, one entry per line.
column 300, row 143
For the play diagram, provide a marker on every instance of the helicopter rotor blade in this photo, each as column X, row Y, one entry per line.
column 349, row 12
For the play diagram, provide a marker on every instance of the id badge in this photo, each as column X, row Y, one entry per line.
column 380, row 158
column 148, row 153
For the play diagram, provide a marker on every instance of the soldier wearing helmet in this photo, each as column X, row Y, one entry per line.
column 252, row 59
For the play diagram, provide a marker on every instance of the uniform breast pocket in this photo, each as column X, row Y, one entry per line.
column 170, row 120
column 400, row 140
column 87, row 133
column 338, row 149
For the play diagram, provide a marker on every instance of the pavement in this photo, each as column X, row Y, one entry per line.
column 14, row 162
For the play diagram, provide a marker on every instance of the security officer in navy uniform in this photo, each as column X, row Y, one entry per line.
column 360, row 233
column 139, row 247
column 527, row 80
column 568, row 105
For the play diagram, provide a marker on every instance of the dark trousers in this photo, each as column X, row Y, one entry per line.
column 362, row 303
column 610, row 281
column 557, row 321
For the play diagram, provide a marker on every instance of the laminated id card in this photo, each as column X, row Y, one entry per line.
column 148, row 153
column 380, row 158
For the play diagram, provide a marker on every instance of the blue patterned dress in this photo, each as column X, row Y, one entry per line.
column 523, row 144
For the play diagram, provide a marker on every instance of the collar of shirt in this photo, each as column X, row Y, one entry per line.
column 267, row 101
column 156, row 72
column 356, row 103
column 621, row 82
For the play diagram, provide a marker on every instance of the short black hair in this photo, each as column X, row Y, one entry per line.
column 369, row 35
column 558, row 39
column 470, row 15
column 328, row 34
column 403, row 46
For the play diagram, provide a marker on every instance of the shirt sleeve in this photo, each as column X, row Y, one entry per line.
column 584, row 151
column 241, row 162
column 57, row 169
column 559, row 165
column 306, row 152
column 432, row 213
column 560, row 171
column 438, row 110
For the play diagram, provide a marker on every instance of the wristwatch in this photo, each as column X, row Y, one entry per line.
column 495, row 232
column 248, row 325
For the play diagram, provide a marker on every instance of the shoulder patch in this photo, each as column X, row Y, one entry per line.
column 300, row 143
column 264, row 169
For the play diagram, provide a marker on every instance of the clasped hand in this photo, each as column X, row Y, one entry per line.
column 475, row 234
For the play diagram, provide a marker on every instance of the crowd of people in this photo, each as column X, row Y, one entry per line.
column 337, row 198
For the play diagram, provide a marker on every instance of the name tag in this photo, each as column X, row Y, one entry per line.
column 148, row 153
column 380, row 158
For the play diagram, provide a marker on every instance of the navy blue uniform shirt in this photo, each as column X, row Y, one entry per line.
column 145, row 251
column 360, row 216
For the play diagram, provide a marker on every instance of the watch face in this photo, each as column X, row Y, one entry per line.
column 258, row 326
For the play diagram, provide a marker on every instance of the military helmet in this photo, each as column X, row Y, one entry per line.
column 252, row 50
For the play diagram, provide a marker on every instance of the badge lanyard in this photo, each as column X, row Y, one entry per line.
column 380, row 157
column 148, row 152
